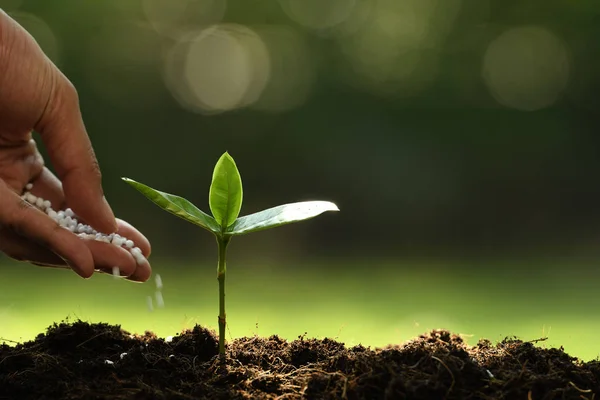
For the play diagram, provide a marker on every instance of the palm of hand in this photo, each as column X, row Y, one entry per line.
column 19, row 164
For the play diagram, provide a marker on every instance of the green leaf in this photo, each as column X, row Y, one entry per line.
column 280, row 215
column 225, row 196
column 178, row 206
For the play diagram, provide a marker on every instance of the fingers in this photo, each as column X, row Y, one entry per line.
column 47, row 186
column 22, row 249
column 143, row 270
column 134, row 270
column 22, row 218
column 141, row 274
column 63, row 132
column 128, row 231
column 106, row 256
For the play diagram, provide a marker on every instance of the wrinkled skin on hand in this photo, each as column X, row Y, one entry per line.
column 36, row 96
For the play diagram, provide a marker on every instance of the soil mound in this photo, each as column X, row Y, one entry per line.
column 80, row 360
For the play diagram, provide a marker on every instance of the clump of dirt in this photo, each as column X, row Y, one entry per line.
column 80, row 360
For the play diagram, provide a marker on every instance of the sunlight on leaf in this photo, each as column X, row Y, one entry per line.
column 225, row 196
column 280, row 215
column 177, row 205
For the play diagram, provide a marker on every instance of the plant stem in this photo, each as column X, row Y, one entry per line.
column 221, row 269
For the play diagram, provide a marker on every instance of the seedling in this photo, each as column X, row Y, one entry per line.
column 225, row 201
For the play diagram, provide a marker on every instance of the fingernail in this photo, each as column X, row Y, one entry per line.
column 79, row 271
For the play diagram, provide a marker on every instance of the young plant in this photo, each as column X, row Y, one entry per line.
column 225, row 201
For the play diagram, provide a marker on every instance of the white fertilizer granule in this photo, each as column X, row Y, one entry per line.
column 149, row 303
column 159, row 299
column 68, row 220
column 160, row 302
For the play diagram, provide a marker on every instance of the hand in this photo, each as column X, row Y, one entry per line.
column 35, row 95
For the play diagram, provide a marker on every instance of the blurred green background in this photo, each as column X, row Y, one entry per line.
column 458, row 137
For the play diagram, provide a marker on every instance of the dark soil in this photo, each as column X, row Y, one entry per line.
column 99, row 361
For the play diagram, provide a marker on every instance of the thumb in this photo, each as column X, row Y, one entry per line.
column 64, row 135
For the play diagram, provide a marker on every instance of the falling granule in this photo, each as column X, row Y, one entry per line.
column 149, row 303
column 169, row 339
column 158, row 295
column 159, row 299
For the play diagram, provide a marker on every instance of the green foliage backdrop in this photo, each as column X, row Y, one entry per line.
column 440, row 128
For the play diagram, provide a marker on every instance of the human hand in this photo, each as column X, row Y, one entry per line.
column 35, row 95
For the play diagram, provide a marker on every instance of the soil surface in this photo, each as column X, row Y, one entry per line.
column 79, row 360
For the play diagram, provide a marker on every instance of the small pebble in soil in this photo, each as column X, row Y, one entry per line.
column 68, row 220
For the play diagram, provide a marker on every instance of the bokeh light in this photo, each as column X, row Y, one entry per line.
column 526, row 68
column 292, row 69
column 360, row 16
column 230, row 66
column 396, row 51
column 318, row 14
column 174, row 18
column 217, row 69
column 41, row 32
